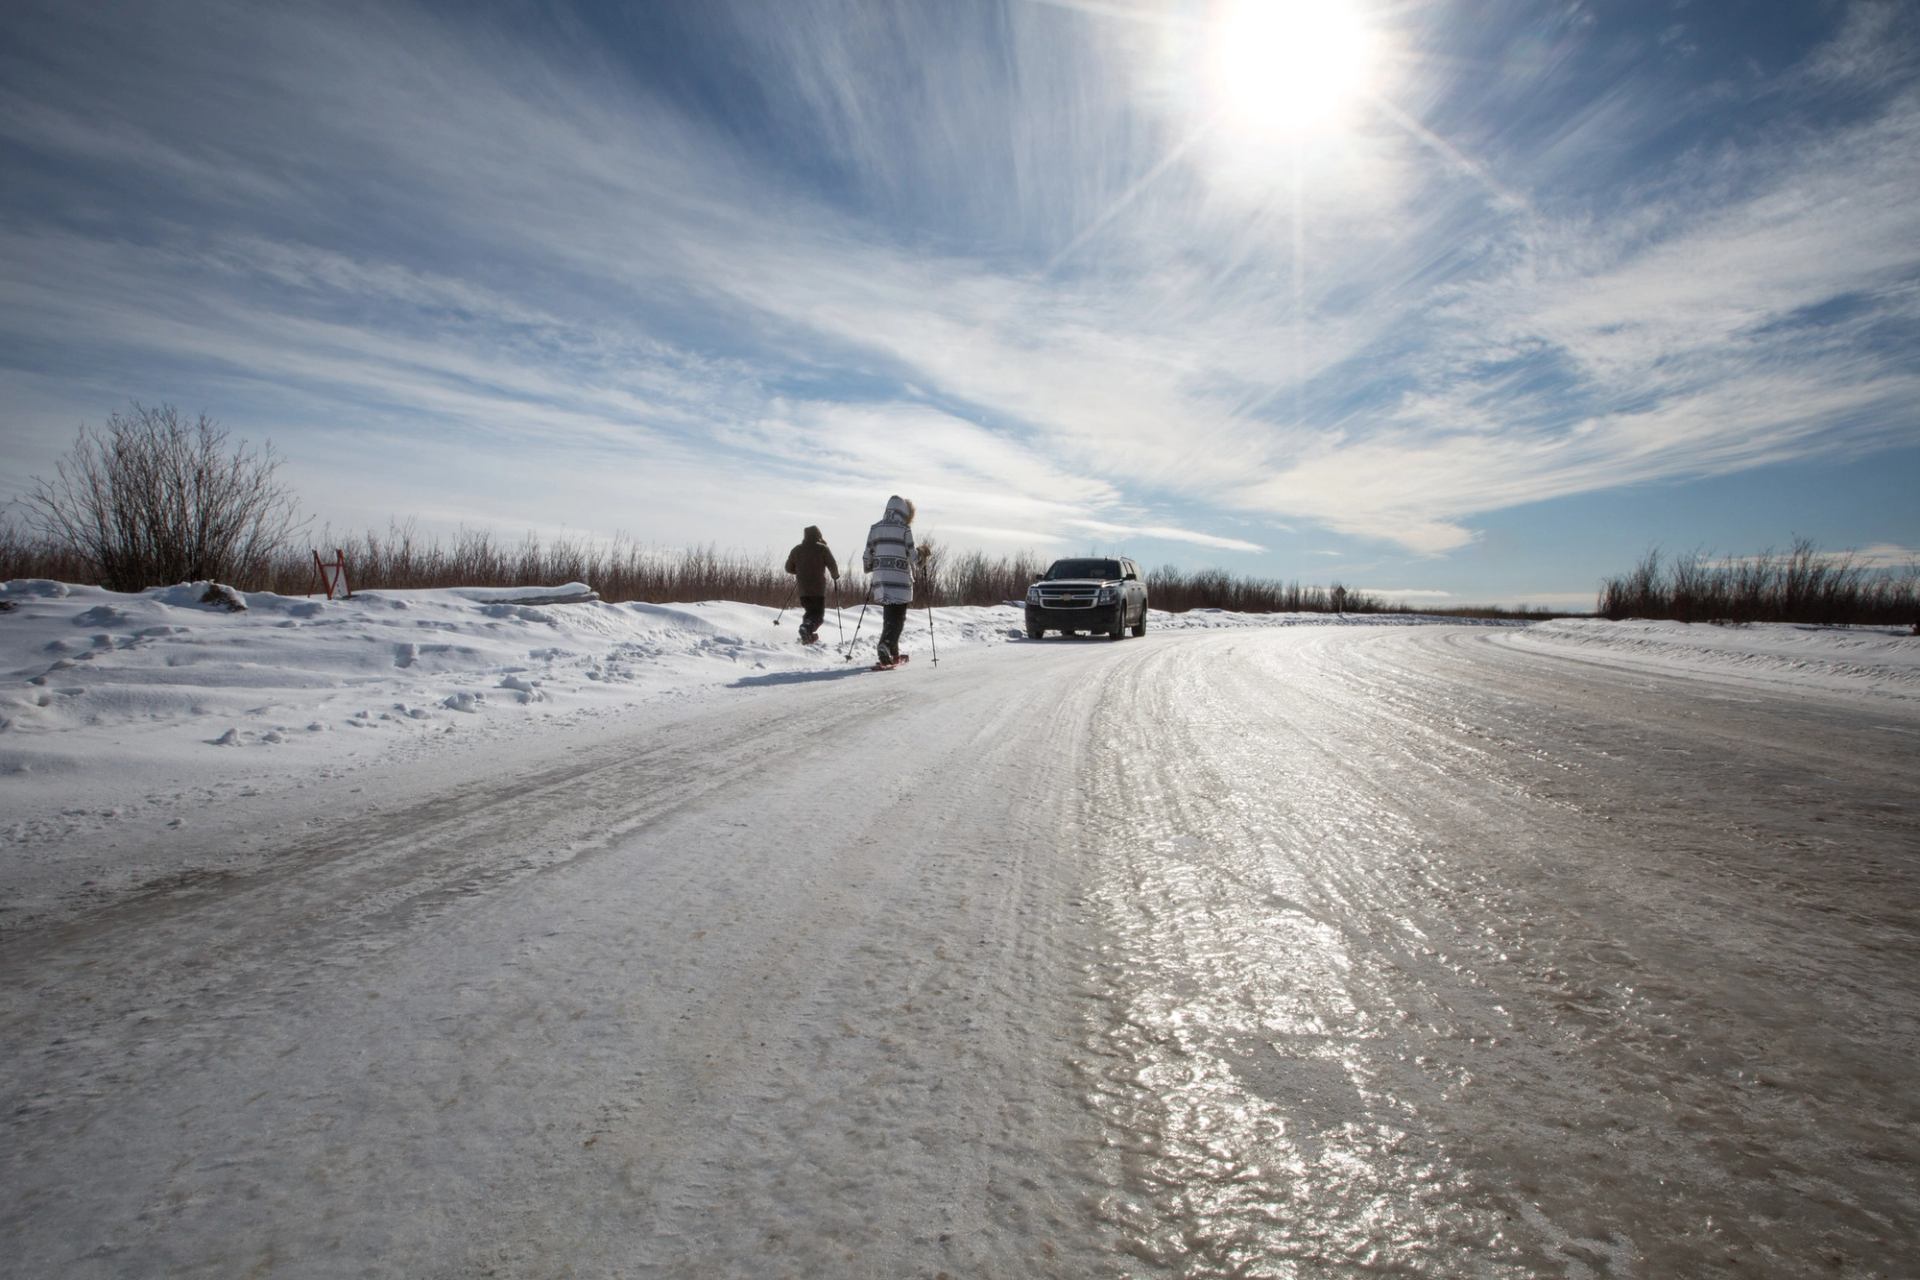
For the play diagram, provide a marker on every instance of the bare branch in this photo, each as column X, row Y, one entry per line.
column 151, row 501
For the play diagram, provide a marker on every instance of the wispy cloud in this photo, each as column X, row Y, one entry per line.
column 1163, row 533
column 1879, row 557
column 833, row 267
column 1887, row 555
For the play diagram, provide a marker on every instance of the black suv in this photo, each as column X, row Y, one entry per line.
column 1100, row 595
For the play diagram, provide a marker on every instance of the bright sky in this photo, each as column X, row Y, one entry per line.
column 1456, row 302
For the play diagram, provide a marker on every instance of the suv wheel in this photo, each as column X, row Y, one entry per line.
column 1119, row 631
column 1036, row 633
column 1140, row 627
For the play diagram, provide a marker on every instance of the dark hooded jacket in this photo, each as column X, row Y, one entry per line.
column 811, row 562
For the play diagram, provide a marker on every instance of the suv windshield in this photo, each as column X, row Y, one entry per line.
column 1084, row 569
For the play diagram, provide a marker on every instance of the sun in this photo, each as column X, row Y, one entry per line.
column 1289, row 68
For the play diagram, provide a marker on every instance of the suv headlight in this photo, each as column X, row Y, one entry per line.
column 1033, row 595
column 1109, row 594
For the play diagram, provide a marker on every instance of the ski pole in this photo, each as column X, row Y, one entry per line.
column 856, row 630
column 935, row 644
column 783, row 608
column 839, row 623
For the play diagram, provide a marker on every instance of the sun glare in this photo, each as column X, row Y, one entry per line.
column 1290, row 67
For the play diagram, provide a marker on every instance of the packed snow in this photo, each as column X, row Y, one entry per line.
column 128, row 712
column 520, row 933
column 114, row 685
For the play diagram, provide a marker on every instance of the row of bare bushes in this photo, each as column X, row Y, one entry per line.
column 620, row 570
column 974, row 577
column 1803, row 585
column 401, row 560
column 1177, row 591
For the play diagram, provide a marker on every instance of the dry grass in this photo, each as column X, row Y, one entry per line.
column 24, row 556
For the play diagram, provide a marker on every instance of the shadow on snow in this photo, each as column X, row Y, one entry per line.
column 798, row 677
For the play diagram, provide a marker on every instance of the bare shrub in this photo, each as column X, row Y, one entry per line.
column 929, row 557
column 151, row 501
column 1803, row 585
column 1635, row 594
column 1690, row 587
column 1178, row 590
column 621, row 570
column 975, row 578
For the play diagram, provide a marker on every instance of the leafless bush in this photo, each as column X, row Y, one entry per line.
column 1634, row 595
column 1178, row 590
column 1690, row 588
column 1802, row 585
column 620, row 570
column 975, row 578
column 152, row 501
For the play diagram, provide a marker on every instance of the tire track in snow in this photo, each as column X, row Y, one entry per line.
column 934, row 986
column 175, row 982
column 775, row 1003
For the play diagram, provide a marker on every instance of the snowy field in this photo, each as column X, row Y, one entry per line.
column 447, row 934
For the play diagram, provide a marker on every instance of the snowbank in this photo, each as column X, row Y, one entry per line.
column 1878, row 662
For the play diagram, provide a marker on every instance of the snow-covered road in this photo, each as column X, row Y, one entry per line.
column 1309, row 951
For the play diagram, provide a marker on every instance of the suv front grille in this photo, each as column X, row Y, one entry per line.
column 1068, row 597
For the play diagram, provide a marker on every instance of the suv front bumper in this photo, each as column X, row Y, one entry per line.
column 1099, row 618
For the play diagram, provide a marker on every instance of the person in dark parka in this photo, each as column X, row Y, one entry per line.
column 811, row 563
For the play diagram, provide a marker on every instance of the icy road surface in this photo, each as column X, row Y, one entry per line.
column 1305, row 952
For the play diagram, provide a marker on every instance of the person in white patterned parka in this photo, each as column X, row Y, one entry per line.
column 889, row 565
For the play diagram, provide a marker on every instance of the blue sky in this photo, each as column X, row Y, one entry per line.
column 1455, row 302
